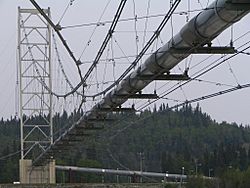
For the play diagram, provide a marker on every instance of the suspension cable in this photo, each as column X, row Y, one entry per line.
column 66, row 9
column 189, row 65
column 94, row 30
column 134, row 63
column 149, row 43
column 132, row 19
column 57, row 29
column 60, row 62
column 159, row 29
column 197, row 76
column 107, row 38
column 135, row 28
column 212, row 95
column 239, row 52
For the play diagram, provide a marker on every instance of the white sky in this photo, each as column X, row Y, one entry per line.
column 232, row 107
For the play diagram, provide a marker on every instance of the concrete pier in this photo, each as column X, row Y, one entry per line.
column 37, row 174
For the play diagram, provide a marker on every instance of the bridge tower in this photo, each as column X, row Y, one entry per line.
column 35, row 96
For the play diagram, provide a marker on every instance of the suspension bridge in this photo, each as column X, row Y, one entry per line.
column 36, row 34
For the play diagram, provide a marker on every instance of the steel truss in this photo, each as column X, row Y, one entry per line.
column 35, row 99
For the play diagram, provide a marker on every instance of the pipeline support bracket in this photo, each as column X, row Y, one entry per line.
column 116, row 109
column 203, row 50
column 237, row 5
column 138, row 96
column 173, row 77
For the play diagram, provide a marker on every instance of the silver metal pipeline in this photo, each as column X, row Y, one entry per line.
column 122, row 172
column 199, row 31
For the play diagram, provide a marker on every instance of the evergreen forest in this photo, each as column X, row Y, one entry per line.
column 157, row 140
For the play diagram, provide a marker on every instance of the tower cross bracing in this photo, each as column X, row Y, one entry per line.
column 35, row 99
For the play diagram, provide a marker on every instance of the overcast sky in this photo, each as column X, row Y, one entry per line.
column 232, row 107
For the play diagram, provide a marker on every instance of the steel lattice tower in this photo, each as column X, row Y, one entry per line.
column 35, row 84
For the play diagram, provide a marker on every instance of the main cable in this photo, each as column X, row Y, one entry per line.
column 134, row 63
column 240, row 52
column 212, row 95
column 197, row 76
column 57, row 29
column 143, row 51
column 104, row 44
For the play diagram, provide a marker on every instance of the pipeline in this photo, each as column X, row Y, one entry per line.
column 122, row 172
column 199, row 31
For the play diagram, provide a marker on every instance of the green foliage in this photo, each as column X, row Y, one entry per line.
column 168, row 185
column 234, row 178
column 88, row 163
column 245, row 181
column 201, row 182
column 172, row 139
column 86, row 177
column 169, row 139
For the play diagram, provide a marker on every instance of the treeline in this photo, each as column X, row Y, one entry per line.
column 159, row 140
column 185, row 138
column 9, row 150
